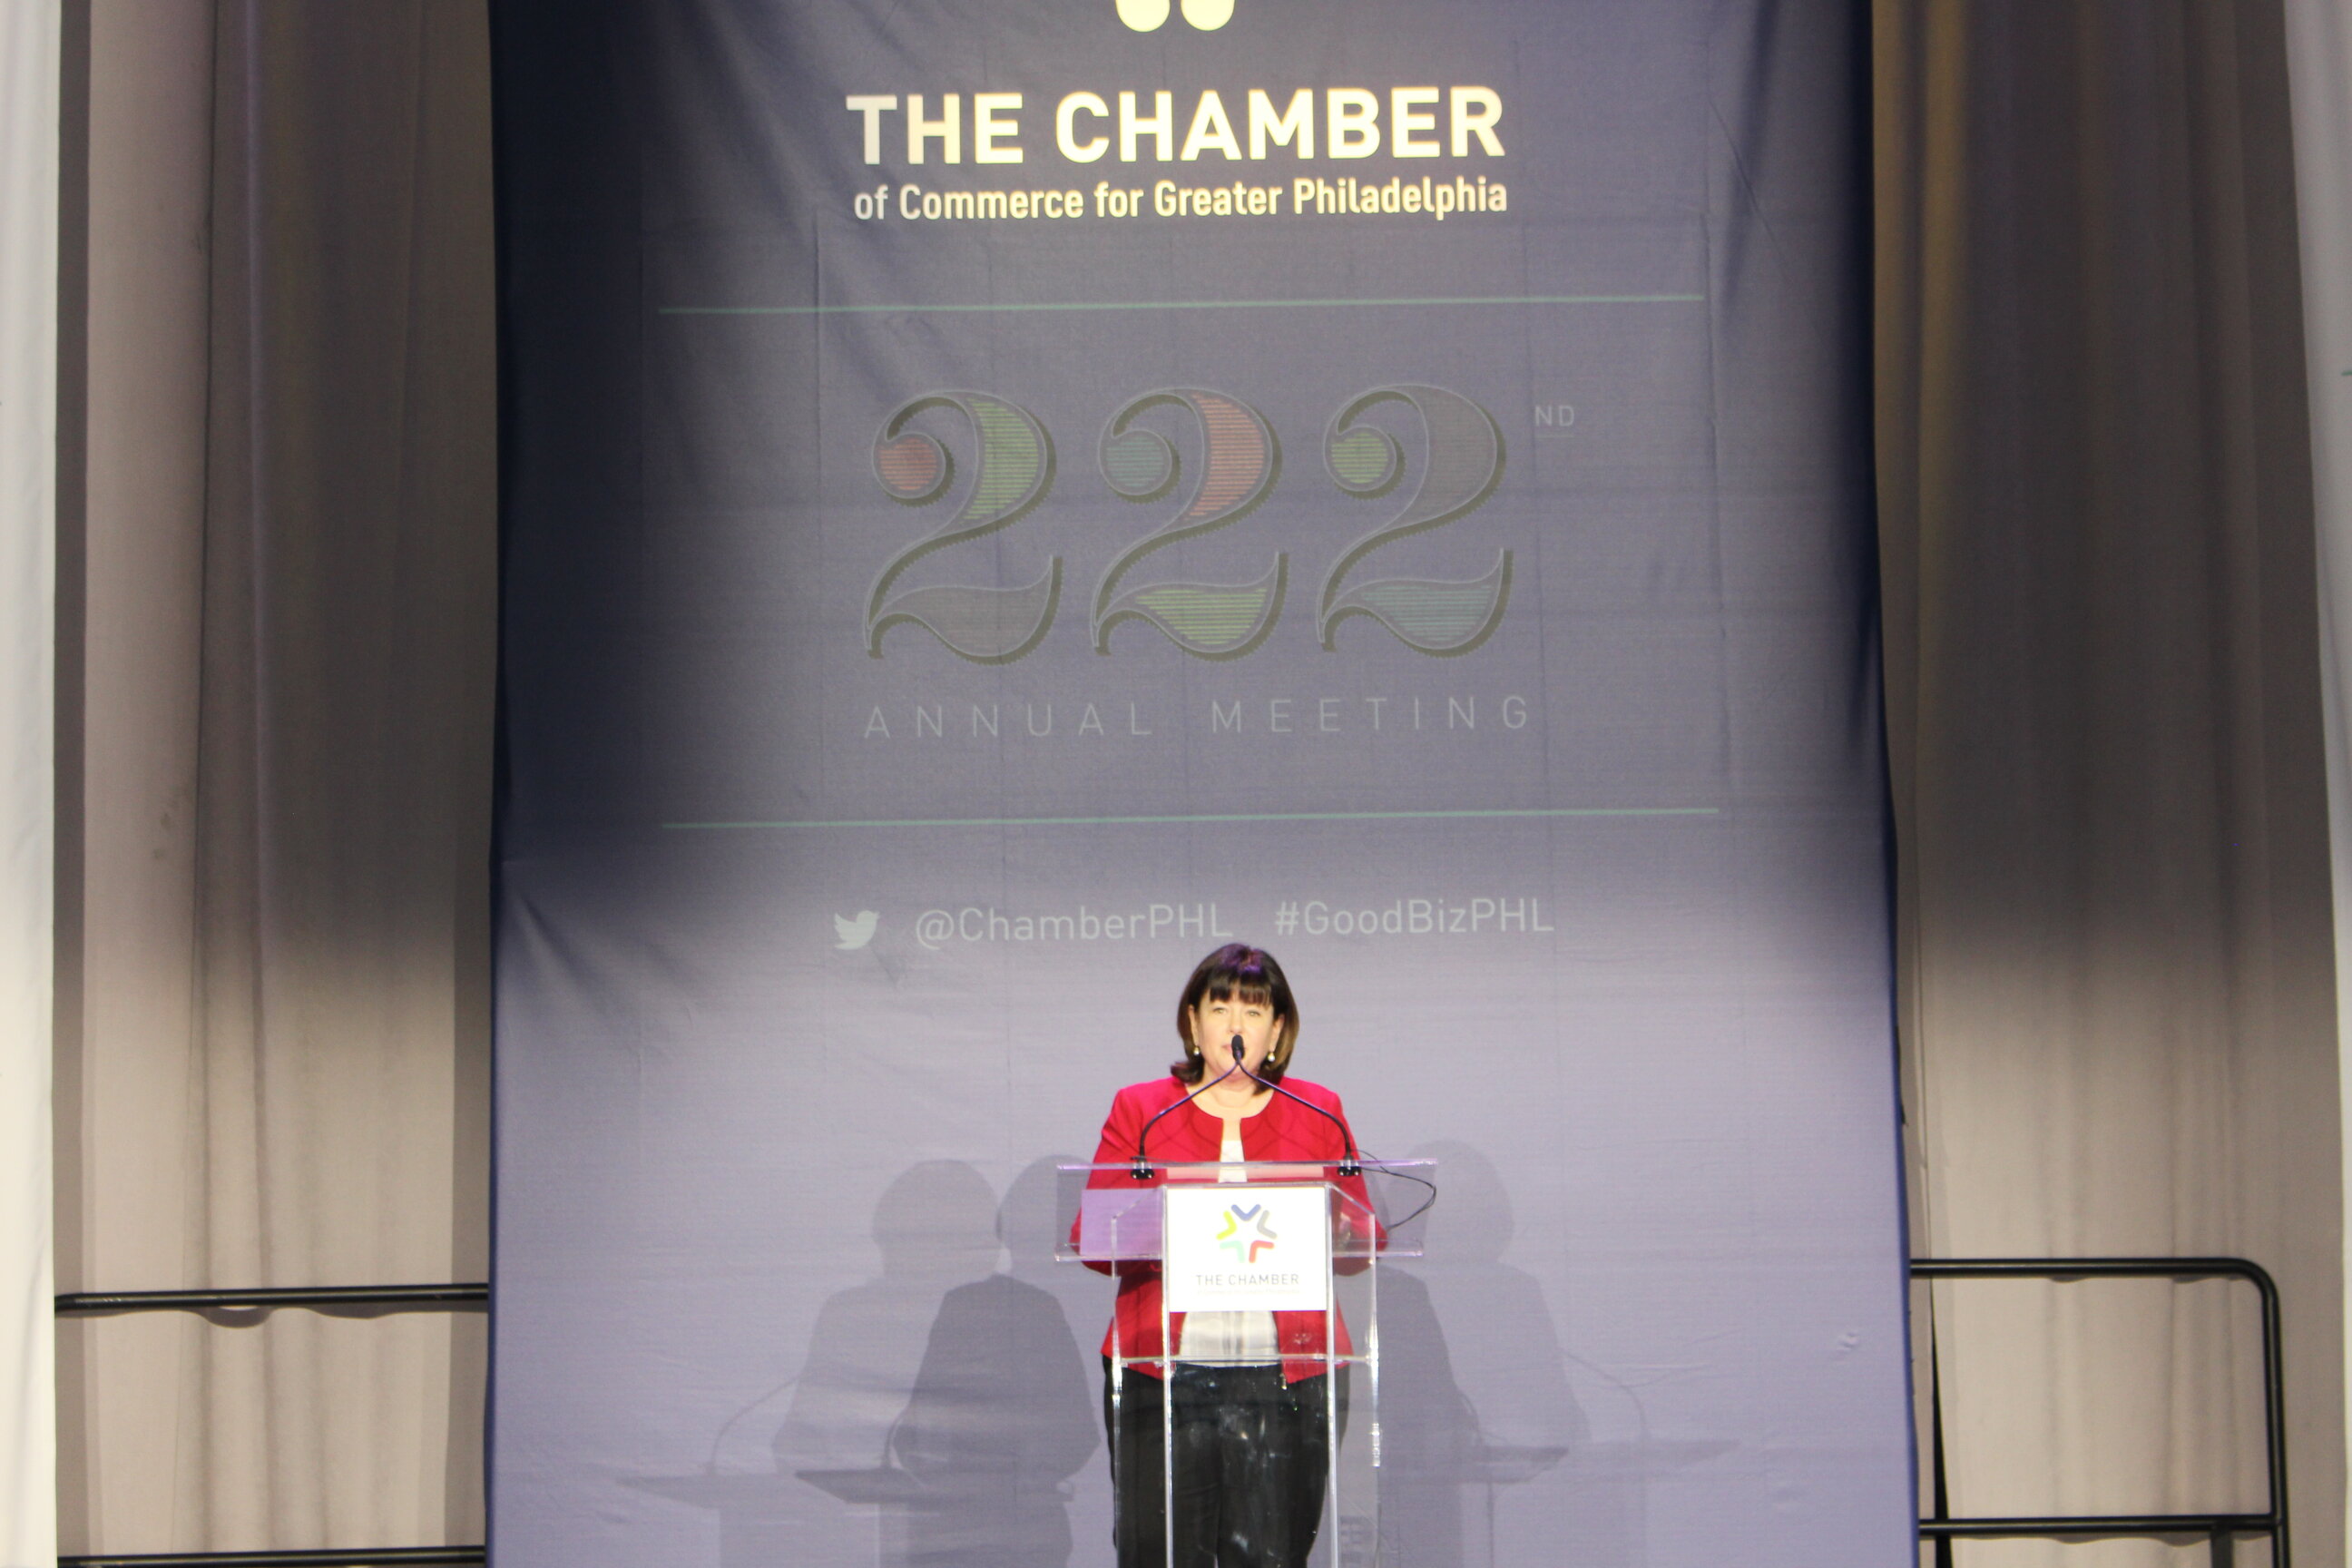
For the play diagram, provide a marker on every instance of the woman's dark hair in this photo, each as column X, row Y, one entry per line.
column 1252, row 974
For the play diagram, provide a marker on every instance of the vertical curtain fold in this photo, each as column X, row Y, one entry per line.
column 30, row 39
column 2116, row 985
column 290, row 535
column 2319, row 62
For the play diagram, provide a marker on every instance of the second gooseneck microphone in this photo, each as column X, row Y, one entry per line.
column 1349, row 1166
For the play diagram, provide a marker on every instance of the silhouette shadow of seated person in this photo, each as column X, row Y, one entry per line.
column 1002, row 1415
column 936, row 1227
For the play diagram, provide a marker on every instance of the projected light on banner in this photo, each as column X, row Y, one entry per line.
column 1003, row 500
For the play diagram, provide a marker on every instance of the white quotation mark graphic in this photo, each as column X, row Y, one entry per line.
column 1143, row 16
column 855, row 933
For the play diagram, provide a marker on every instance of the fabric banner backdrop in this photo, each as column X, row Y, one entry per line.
column 1000, row 500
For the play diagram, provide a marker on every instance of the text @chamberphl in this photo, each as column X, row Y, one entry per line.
column 1489, row 916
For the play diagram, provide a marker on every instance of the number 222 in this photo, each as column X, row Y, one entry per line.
column 1013, row 465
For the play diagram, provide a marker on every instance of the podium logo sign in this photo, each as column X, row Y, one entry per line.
column 1249, row 1248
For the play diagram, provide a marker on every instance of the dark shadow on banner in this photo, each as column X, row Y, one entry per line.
column 965, row 1399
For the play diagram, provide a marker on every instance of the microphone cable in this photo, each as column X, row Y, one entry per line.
column 1353, row 1164
column 1379, row 1169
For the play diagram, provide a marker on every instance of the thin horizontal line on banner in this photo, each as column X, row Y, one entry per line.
column 1182, row 305
column 1214, row 817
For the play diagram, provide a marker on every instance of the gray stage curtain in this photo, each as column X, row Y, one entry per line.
column 2117, row 999
column 2319, row 60
column 29, row 75
column 275, row 763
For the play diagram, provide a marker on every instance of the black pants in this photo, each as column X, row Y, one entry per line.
column 1251, row 1456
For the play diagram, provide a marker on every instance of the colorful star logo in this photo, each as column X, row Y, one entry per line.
column 1243, row 1245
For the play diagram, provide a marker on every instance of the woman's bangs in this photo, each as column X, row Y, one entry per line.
column 1251, row 985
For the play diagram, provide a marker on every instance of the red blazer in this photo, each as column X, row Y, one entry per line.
column 1284, row 1130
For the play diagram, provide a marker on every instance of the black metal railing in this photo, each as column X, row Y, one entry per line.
column 454, row 1297
column 2221, row 1530
column 395, row 1297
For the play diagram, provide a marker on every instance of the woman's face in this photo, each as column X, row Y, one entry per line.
column 1215, row 1023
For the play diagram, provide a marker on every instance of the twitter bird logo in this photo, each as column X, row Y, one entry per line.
column 855, row 933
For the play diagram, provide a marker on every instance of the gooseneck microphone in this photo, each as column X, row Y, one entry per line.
column 1349, row 1166
column 1141, row 1168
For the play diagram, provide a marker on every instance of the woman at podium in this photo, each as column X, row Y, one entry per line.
column 1251, row 1396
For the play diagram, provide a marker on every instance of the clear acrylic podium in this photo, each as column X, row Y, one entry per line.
column 1255, row 1237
